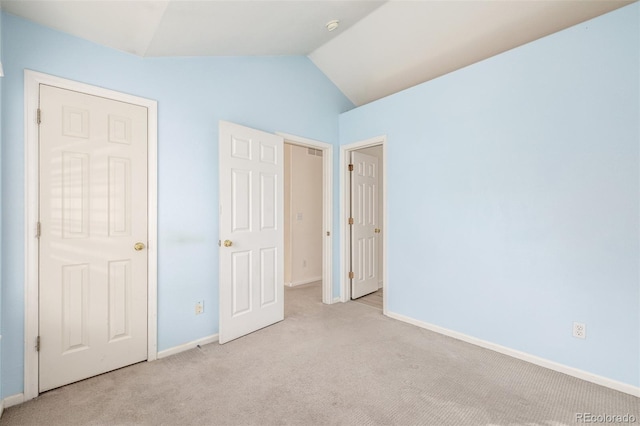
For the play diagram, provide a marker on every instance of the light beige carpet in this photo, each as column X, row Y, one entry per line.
column 341, row 364
column 375, row 299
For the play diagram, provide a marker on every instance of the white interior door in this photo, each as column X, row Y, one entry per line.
column 251, row 230
column 93, row 215
column 365, row 227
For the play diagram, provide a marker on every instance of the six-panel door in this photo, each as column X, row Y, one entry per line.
column 93, row 211
column 364, row 210
column 251, row 230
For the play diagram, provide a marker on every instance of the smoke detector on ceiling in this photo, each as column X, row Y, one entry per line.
column 332, row 25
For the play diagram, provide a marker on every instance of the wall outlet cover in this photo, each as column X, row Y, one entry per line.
column 579, row 330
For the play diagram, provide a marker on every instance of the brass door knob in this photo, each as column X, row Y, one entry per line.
column 228, row 243
column 138, row 246
column 377, row 231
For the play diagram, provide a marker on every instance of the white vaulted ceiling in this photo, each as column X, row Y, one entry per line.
column 197, row 28
column 379, row 48
column 404, row 43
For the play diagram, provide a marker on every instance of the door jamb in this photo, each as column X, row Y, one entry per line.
column 345, row 193
column 32, row 81
column 327, row 208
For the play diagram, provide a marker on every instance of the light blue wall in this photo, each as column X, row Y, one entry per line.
column 287, row 94
column 513, row 196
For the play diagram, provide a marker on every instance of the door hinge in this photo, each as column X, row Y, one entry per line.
column 351, row 275
column 350, row 165
column 350, row 221
column 38, row 344
column 39, row 116
column 38, row 230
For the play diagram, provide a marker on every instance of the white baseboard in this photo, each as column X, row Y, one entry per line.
column 186, row 346
column 305, row 281
column 542, row 362
column 12, row 400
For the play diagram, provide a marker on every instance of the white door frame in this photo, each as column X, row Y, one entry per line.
column 32, row 81
column 345, row 193
column 327, row 208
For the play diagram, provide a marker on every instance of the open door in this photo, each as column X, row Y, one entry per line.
column 365, row 228
column 251, row 230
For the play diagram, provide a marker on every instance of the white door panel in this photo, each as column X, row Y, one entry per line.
column 365, row 228
column 251, row 220
column 93, row 210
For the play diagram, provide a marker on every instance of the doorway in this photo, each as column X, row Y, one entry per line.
column 302, row 215
column 251, row 209
column 308, row 213
column 74, row 176
column 363, row 222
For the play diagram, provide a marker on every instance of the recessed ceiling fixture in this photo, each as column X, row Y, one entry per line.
column 332, row 25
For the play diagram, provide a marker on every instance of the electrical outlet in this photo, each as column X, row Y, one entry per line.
column 199, row 307
column 579, row 330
